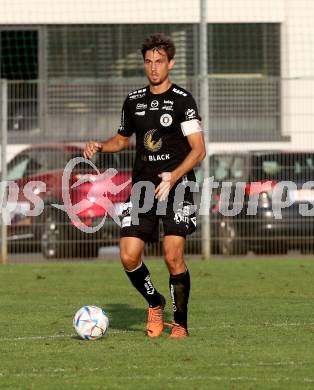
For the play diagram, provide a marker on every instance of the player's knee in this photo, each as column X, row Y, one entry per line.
column 172, row 253
column 174, row 260
column 129, row 260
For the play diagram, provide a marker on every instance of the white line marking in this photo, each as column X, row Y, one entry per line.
column 59, row 336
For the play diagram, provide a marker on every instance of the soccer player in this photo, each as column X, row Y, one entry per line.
column 169, row 143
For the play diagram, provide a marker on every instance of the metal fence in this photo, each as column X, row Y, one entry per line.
column 51, row 121
column 241, row 109
column 66, row 84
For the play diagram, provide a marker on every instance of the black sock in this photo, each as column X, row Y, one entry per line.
column 140, row 278
column 180, row 290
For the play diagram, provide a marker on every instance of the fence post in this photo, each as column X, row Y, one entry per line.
column 204, row 108
column 3, row 187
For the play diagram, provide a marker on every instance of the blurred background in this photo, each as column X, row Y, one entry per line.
column 66, row 68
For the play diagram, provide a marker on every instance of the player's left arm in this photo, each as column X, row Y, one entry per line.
column 191, row 127
column 194, row 157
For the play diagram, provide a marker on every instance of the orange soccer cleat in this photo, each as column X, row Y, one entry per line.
column 155, row 319
column 178, row 331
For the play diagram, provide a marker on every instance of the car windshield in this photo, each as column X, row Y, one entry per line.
column 290, row 166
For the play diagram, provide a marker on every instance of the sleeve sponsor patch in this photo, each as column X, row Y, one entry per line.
column 191, row 126
column 190, row 113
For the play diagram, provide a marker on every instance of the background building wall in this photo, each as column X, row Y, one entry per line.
column 297, row 39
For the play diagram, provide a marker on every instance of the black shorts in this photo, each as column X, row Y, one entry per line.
column 178, row 219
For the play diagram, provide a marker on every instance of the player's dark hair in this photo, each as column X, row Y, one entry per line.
column 159, row 41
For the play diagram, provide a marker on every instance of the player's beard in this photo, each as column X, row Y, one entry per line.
column 157, row 82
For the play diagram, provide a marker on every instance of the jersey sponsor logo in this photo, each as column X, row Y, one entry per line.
column 159, row 157
column 138, row 96
column 150, row 143
column 179, row 92
column 167, row 108
column 141, row 106
column 137, row 91
column 140, row 113
column 168, row 102
column 166, row 120
column 190, row 114
column 154, row 105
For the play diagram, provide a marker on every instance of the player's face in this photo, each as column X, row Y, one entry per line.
column 157, row 66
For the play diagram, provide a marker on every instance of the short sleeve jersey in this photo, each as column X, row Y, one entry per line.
column 161, row 123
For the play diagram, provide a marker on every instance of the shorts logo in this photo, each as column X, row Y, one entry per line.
column 183, row 215
column 126, row 209
column 184, row 180
column 126, row 221
column 150, row 143
column 190, row 113
column 126, row 214
column 166, row 120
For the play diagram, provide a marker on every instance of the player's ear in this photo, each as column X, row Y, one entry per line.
column 171, row 64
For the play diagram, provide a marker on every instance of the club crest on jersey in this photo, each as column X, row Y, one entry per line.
column 150, row 143
column 166, row 120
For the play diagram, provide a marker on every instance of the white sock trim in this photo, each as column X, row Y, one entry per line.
column 139, row 266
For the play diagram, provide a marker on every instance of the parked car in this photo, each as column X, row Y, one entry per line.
column 53, row 232
column 263, row 232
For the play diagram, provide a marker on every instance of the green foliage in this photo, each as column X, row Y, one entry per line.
column 251, row 326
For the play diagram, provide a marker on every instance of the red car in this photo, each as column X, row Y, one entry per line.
column 53, row 232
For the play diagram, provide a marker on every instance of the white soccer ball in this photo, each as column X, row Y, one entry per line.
column 90, row 322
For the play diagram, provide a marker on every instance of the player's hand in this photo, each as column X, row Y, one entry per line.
column 164, row 187
column 91, row 148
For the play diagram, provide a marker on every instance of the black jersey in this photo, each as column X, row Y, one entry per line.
column 161, row 123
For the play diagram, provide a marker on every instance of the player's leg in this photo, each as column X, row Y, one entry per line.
column 179, row 283
column 131, row 249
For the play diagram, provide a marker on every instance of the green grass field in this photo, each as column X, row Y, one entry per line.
column 251, row 326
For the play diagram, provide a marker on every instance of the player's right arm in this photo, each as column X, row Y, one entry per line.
column 114, row 144
column 119, row 141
